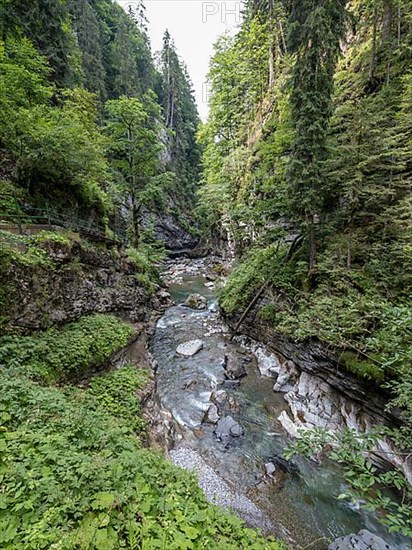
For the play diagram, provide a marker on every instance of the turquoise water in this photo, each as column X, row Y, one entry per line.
column 303, row 507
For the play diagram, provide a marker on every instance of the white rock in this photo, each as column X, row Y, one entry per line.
column 289, row 425
column 188, row 349
column 269, row 365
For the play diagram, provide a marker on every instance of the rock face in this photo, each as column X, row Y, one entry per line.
column 196, row 301
column 319, row 392
column 364, row 540
column 188, row 349
column 76, row 281
column 168, row 229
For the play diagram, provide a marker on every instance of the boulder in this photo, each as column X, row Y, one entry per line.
column 270, row 469
column 287, row 378
column 364, row 540
column 234, row 368
column 227, row 427
column 212, row 415
column 285, row 465
column 373, row 541
column 196, row 301
column 188, row 349
column 219, row 397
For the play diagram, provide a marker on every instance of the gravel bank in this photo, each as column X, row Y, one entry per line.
column 217, row 491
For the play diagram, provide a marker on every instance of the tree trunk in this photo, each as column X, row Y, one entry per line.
column 372, row 65
column 136, row 222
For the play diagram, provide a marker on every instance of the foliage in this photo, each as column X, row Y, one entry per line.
column 307, row 156
column 181, row 119
column 73, row 472
column 116, row 394
column 376, row 488
column 70, row 352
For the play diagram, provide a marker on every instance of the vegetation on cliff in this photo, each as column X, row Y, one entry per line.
column 307, row 173
column 86, row 128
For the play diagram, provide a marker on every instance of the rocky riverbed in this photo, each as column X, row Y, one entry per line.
column 231, row 408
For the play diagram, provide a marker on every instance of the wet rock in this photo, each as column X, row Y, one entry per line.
column 228, row 427
column 209, row 285
column 231, row 384
column 364, row 540
column 214, row 308
column 285, row 465
column 287, row 377
column 196, row 301
column 268, row 363
column 219, row 397
column 188, row 349
column 234, row 368
column 270, row 469
column 212, row 415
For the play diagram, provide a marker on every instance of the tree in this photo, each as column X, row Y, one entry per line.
column 315, row 31
column 47, row 25
column 180, row 116
column 133, row 128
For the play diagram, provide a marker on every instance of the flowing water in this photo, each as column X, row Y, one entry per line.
column 301, row 506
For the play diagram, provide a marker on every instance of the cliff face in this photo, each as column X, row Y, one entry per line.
column 71, row 282
column 318, row 391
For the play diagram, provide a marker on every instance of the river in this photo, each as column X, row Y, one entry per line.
column 302, row 505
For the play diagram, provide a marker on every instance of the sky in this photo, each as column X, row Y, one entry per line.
column 194, row 25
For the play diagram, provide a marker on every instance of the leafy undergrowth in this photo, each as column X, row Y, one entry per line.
column 73, row 472
column 58, row 355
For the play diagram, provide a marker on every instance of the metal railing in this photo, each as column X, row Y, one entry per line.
column 21, row 215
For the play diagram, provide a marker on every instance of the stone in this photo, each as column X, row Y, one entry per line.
column 219, row 397
column 285, row 465
column 373, row 541
column 364, row 540
column 164, row 295
column 209, row 285
column 196, row 301
column 212, row 415
column 228, row 427
column 231, row 384
column 268, row 363
column 214, row 308
column 287, row 377
column 234, row 368
column 270, row 469
column 188, row 349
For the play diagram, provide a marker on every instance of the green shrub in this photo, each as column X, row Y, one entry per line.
column 57, row 355
column 116, row 394
column 74, row 475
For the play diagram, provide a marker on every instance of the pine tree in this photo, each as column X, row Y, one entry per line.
column 315, row 31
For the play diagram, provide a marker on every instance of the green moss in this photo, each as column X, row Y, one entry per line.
column 362, row 367
column 57, row 355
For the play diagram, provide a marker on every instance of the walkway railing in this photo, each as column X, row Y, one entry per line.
column 21, row 215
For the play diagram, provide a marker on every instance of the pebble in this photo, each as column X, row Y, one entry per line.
column 217, row 491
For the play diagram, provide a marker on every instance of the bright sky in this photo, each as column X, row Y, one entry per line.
column 194, row 25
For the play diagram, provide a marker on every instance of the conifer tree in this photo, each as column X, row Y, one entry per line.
column 315, row 31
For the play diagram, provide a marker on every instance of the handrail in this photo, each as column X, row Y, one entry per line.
column 52, row 217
